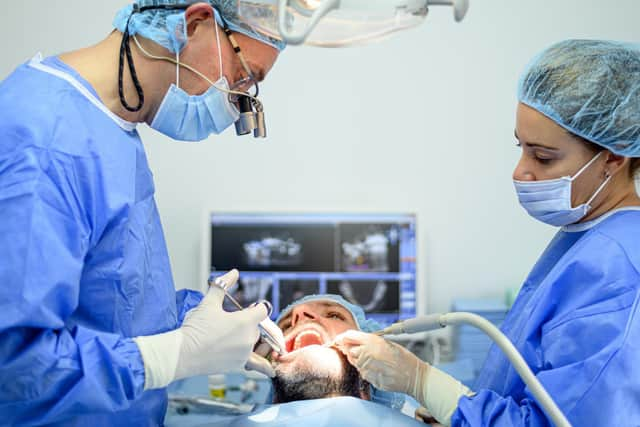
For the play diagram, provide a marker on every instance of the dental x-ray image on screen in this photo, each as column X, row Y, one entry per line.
column 369, row 259
column 369, row 247
column 374, row 296
column 273, row 251
column 272, row 247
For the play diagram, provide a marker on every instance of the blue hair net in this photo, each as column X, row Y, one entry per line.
column 387, row 398
column 167, row 27
column 591, row 88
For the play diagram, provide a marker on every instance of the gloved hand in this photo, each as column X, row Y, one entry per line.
column 391, row 367
column 210, row 341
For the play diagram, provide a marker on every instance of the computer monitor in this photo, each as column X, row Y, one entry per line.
column 369, row 259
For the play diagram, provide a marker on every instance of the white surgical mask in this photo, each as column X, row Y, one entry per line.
column 549, row 201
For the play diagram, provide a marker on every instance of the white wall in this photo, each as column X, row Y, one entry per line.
column 420, row 123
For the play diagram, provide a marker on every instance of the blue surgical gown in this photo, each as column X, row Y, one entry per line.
column 83, row 260
column 576, row 321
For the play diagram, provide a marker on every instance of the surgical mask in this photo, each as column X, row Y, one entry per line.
column 194, row 117
column 549, row 201
column 187, row 117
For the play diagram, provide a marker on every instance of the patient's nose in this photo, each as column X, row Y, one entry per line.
column 302, row 314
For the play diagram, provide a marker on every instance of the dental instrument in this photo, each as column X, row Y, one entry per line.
column 269, row 331
column 435, row 321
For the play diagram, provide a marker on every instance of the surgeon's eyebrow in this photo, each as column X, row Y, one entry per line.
column 533, row 143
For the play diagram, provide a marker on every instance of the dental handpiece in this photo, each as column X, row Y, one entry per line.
column 268, row 328
column 439, row 320
column 410, row 326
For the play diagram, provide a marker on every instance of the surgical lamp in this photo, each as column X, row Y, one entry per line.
column 336, row 23
column 435, row 321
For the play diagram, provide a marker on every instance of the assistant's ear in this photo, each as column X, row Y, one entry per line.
column 196, row 15
column 615, row 162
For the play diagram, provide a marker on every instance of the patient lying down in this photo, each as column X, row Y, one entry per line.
column 311, row 369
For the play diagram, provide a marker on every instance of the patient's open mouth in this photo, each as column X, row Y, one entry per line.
column 304, row 338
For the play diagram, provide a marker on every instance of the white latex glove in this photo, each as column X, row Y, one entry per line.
column 391, row 367
column 210, row 341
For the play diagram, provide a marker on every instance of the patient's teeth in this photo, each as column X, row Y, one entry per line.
column 297, row 343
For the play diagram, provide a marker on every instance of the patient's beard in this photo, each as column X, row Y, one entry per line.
column 309, row 382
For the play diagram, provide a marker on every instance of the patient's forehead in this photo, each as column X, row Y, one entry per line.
column 325, row 309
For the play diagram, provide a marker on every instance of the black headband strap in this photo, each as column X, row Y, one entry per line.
column 126, row 48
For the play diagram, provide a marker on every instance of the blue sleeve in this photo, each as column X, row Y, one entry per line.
column 186, row 299
column 600, row 366
column 589, row 353
column 489, row 408
column 49, row 371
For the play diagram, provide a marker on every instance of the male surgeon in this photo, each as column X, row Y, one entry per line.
column 91, row 328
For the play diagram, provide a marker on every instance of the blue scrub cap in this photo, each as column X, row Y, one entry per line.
column 167, row 27
column 591, row 88
column 387, row 398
